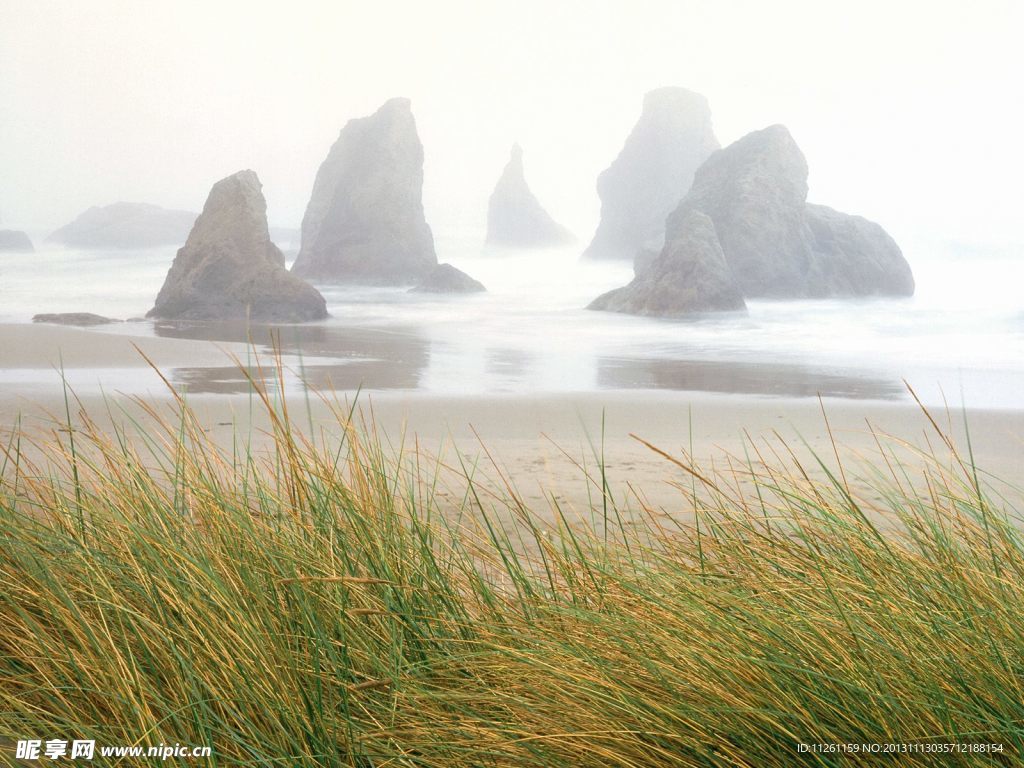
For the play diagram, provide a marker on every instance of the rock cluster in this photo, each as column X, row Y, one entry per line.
column 753, row 194
column 515, row 217
column 126, row 225
column 652, row 173
column 230, row 269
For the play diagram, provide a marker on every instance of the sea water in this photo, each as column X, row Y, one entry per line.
column 959, row 339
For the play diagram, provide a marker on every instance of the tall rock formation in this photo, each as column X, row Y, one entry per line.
column 652, row 173
column 126, row 225
column 515, row 217
column 364, row 222
column 689, row 276
column 229, row 269
column 15, row 241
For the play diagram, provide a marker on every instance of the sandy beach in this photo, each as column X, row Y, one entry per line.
column 542, row 442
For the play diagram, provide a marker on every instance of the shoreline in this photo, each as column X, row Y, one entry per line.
column 538, row 439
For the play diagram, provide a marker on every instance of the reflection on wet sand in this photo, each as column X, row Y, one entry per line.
column 779, row 379
column 359, row 358
column 332, row 357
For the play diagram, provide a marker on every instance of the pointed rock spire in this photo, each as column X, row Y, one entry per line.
column 515, row 217
column 229, row 268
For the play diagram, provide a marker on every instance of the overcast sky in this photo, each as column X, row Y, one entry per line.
column 909, row 113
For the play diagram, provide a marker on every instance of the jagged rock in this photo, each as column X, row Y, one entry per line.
column 74, row 318
column 126, row 225
column 514, row 215
column 855, row 257
column 652, row 173
column 444, row 278
column 689, row 276
column 755, row 192
column 365, row 222
column 229, row 268
column 14, row 241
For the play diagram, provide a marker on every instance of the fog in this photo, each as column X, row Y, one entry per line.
column 909, row 113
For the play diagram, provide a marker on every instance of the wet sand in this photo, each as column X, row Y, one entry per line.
column 541, row 441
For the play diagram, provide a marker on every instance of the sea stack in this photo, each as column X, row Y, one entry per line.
column 515, row 218
column 689, row 276
column 126, row 225
column 652, row 173
column 15, row 241
column 229, row 269
column 364, row 222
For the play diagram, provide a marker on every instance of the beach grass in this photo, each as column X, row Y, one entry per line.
column 344, row 602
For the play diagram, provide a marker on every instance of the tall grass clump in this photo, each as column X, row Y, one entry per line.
column 322, row 603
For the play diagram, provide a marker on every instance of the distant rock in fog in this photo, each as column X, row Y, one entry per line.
column 230, row 269
column 126, row 225
column 689, row 276
column 15, row 241
column 364, row 222
column 770, row 241
column 652, row 173
column 444, row 278
column 515, row 217
column 74, row 318
column 855, row 257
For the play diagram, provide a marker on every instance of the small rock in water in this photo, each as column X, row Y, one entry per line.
column 74, row 318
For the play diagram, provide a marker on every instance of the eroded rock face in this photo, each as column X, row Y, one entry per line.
column 229, row 269
column 855, row 257
column 126, row 225
column 15, row 241
column 689, row 276
column 365, row 222
column 652, row 173
column 444, row 278
column 754, row 191
column 515, row 218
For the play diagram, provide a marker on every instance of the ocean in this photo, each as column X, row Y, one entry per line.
column 958, row 341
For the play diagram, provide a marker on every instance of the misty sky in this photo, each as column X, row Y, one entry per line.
column 910, row 113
